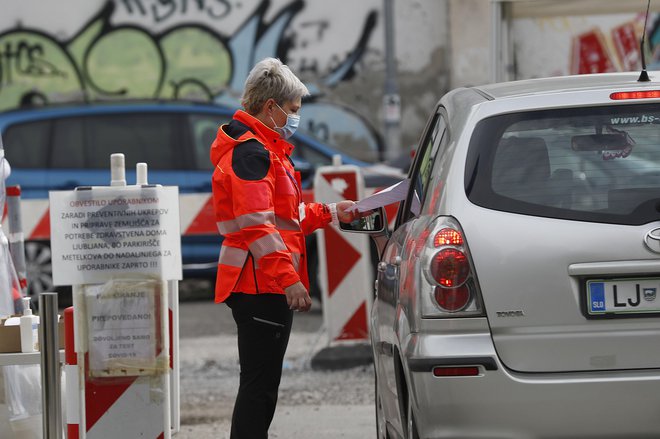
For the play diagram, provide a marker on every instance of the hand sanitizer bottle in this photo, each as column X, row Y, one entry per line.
column 29, row 328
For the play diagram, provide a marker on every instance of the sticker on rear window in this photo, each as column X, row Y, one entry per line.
column 644, row 118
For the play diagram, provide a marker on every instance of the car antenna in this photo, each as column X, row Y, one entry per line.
column 644, row 76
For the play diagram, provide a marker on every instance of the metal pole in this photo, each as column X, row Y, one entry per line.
column 50, row 366
column 501, row 43
column 165, row 330
column 496, row 41
column 173, row 290
column 391, row 100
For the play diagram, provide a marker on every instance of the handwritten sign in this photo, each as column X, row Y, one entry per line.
column 122, row 320
column 100, row 233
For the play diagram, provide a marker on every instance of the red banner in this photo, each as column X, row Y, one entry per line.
column 589, row 54
column 627, row 47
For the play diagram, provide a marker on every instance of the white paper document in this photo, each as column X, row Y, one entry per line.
column 392, row 194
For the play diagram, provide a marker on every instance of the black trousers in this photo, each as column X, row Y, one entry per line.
column 264, row 325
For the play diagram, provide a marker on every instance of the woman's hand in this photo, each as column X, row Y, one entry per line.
column 348, row 217
column 342, row 214
column 297, row 297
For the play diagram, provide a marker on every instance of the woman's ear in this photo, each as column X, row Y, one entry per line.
column 268, row 106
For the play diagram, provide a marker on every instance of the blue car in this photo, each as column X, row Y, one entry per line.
column 62, row 147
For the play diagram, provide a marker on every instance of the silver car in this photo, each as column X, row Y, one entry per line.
column 518, row 295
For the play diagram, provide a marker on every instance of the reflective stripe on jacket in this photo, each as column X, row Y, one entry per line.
column 256, row 198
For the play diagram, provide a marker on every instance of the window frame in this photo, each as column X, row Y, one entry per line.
column 438, row 120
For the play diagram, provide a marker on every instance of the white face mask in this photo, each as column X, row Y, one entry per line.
column 291, row 125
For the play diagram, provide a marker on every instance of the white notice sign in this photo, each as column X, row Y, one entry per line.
column 123, row 322
column 100, row 233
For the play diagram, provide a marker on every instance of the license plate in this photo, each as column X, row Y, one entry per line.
column 623, row 296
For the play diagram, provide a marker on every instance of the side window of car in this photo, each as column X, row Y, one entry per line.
column 421, row 173
column 150, row 138
column 68, row 150
column 27, row 145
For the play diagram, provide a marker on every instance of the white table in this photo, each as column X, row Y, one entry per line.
column 24, row 358
column 7, row 428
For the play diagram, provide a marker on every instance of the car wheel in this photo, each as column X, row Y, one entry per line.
column 381, row 425
column 39, row 272
column 411, row 426
column 39, row 268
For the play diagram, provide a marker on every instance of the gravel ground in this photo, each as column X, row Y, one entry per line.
column 319, row 404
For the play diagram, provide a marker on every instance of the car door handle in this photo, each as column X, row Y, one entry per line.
column 385, row 348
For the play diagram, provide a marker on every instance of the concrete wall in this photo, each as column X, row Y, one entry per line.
column 92, row 50
column 544, row 44
column 469, row 22
column 597, row 43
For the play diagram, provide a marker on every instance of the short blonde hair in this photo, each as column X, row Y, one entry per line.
column 270, row 78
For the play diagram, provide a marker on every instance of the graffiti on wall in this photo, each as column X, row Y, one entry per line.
column 596, row 51
column 191, row 59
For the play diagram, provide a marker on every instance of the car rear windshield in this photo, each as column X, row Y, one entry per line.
column 597, row 164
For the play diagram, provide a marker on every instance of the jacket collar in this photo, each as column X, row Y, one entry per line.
column 272, row 138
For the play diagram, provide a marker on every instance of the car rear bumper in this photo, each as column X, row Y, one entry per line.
column 500, row 403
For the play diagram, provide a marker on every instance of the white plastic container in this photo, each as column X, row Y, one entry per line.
column 29, row 328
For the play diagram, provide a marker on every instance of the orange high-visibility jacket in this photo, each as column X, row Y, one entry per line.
column 258, row 203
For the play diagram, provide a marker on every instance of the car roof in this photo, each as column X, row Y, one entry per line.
column 63, row 110
column 564, row 84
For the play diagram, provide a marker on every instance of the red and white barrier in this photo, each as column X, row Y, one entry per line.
column 121, row 329
column 109, row 400
column 345, row 272
column 72, row 378
column 196, row 216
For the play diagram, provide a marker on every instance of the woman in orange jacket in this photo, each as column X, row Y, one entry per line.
column 262, row 268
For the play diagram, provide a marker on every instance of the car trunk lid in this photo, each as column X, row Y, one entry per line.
column 533, row 273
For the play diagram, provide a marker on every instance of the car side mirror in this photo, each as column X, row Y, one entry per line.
column 372, row 224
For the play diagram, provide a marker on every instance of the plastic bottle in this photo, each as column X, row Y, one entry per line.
column 29, row 328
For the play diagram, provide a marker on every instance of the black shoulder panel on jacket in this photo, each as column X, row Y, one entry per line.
column 250, row 160
column 236, row 129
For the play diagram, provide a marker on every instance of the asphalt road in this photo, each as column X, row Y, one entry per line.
column 318, row 404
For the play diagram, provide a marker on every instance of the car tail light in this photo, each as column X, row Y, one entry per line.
column 450, row 267
column 452, row 299
column 447, row 237
column 451, row 285
column 645, row 94
column 454, row 371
